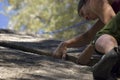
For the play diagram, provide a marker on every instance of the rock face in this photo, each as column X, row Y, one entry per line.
column 28, row 57
column 20, row 65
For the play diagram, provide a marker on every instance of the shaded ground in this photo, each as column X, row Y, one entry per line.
column 20, row 59
column 18, row 65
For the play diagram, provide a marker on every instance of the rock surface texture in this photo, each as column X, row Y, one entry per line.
column 28, row 57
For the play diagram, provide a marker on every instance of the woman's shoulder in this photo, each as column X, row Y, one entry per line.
column 98, row 2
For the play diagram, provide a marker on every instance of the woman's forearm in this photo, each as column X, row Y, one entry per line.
column 78, row 41
column 86, row 37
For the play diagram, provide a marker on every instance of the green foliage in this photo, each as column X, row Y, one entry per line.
column 48, row 15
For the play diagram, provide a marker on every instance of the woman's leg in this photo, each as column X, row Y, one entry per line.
column 108, row 45
column 105, row 43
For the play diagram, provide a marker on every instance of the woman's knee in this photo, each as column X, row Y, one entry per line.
column 105, row 42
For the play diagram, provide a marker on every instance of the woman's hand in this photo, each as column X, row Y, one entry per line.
column 60, row 51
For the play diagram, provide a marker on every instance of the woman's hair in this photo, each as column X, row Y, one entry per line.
column 80, row 4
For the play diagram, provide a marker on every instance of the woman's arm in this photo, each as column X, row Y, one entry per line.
column 78, row 41
column 84, row 38
column 85, row 56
